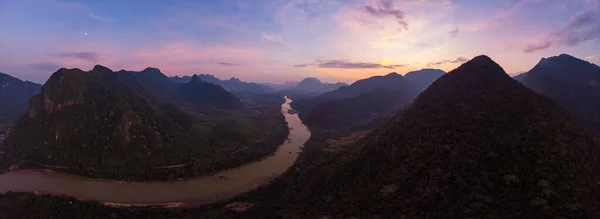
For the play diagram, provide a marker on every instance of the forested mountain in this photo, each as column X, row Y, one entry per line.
column 14, row 97
column 232, row 84
column 109, row 124
column 474, row 144
column 421, row 79
column 571, row 82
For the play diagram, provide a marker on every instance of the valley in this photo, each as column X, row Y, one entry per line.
column 300, row 109
column 188, row 192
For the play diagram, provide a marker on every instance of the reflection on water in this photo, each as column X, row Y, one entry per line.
column 200, row 190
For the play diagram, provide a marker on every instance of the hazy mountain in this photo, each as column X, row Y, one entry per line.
column 284, row 86
column 421, row 79
column 232, row 84
column 107, row 124
column 14, row 97
column 361, row 112
column 389, row 81
column 573, row 83
column 475, row 144
column 182, row 79
column 520, row 76
column 314, row 85
column 364, row 98
column 195, row 93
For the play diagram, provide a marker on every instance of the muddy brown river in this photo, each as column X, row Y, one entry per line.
column 199, row 190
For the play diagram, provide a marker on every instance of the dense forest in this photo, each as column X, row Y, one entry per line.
column 106, row 124
column 573, row 83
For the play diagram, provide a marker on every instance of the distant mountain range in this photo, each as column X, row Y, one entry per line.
column 14, row 97
column 195, row 93
column 232, row 84
column 310, row 87
column 421, row 79
column 474, row 144
column 286, row 85
column 365, row 103
column 571, row 82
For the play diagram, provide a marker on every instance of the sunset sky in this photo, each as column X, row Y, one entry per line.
column 279, row 40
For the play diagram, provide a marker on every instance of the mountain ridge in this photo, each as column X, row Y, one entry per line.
column 14, row 97
column 458, row 155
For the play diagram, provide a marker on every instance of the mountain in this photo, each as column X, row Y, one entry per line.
column 390, row 81
column 14, row 97
column 475, row 144
column 182, row 79
column 195, row 93
column 198, row 92
column 358, row 104
column 362, row 112
column 314, row 85
column 571, row 82
column 232, row 84
column 107, row 124
column 286, row 85
column 421, row 79
column 520, row 76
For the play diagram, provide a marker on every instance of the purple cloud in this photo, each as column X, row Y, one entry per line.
column 348, row 65
column 536, row 47
column 455, row 61
column 583, row 27
column 454, row 33
column 385, row 8
column 228, row 63
column 88, row 56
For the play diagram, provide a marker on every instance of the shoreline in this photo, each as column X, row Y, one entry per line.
column 190, row 192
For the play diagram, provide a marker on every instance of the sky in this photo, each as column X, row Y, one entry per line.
column 286, row 40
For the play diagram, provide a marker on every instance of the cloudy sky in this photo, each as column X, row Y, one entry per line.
column 279, row 40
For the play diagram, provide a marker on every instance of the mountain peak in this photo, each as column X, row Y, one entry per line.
column 480, row 68
column 152, row 70
column 195, row 78
column 474, row 144
column 98, row 68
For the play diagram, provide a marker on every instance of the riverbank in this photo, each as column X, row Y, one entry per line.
column 224, row 154
column 188, row 192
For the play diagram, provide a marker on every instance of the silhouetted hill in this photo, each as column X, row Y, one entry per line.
column 314, row 85
column 196, row 94
column 182, row 79
column 14, row 97
column 361, row 112
column 475, row 144
column 390, row 81
column 421, row 79
column 357, row 105
column 232, row 84
column 519, row 77
column 107, row 124
column 573, row 83
column 286, row 85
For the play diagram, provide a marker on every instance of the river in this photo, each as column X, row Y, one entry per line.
column 193, row 191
